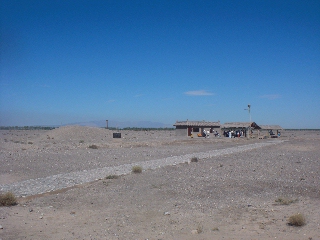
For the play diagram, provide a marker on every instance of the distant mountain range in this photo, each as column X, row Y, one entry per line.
column 118, row 124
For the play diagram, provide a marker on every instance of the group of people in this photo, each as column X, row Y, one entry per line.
column 272, row 134
column 233, row 134
column 206, row 133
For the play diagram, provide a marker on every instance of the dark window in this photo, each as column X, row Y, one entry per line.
column 196, row 129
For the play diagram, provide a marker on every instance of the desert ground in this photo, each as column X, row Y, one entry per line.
column 236, row 195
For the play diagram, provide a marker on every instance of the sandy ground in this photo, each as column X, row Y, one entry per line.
column 226, row 197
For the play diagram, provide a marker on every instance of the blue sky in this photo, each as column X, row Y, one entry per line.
column 65, row 61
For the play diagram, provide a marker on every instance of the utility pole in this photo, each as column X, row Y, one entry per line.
column 249, row 106
column 249, row 128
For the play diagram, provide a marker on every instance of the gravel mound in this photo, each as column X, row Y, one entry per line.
column 70, row 133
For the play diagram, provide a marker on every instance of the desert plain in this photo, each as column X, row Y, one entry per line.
column 236, row 194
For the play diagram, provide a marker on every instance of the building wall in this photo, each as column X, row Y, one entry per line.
column 181, row 131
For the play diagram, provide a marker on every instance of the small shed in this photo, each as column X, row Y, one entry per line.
column 240, row 126
column 188, row 127
column 271, row 130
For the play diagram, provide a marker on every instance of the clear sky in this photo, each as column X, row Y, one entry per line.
column 65, row 61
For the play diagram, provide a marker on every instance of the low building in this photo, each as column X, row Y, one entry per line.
column 242, row 127
column 188, row 127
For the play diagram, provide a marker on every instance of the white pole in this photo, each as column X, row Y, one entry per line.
column 249, row 106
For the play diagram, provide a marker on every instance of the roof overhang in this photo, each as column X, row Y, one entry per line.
column 196, row 124
column 238, row 125
column 271, row 127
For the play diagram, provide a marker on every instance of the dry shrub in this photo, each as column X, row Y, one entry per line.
column 199, row 228
column 285, row 201
column 8, row 199
column 93, row 146
column 136, row 169
column 112, row 177
column 297, row 220
column 194, row 159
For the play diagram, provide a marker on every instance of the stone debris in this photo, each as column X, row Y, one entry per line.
column 194, row 231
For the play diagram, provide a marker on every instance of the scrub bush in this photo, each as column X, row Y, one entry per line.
column 8, row 199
